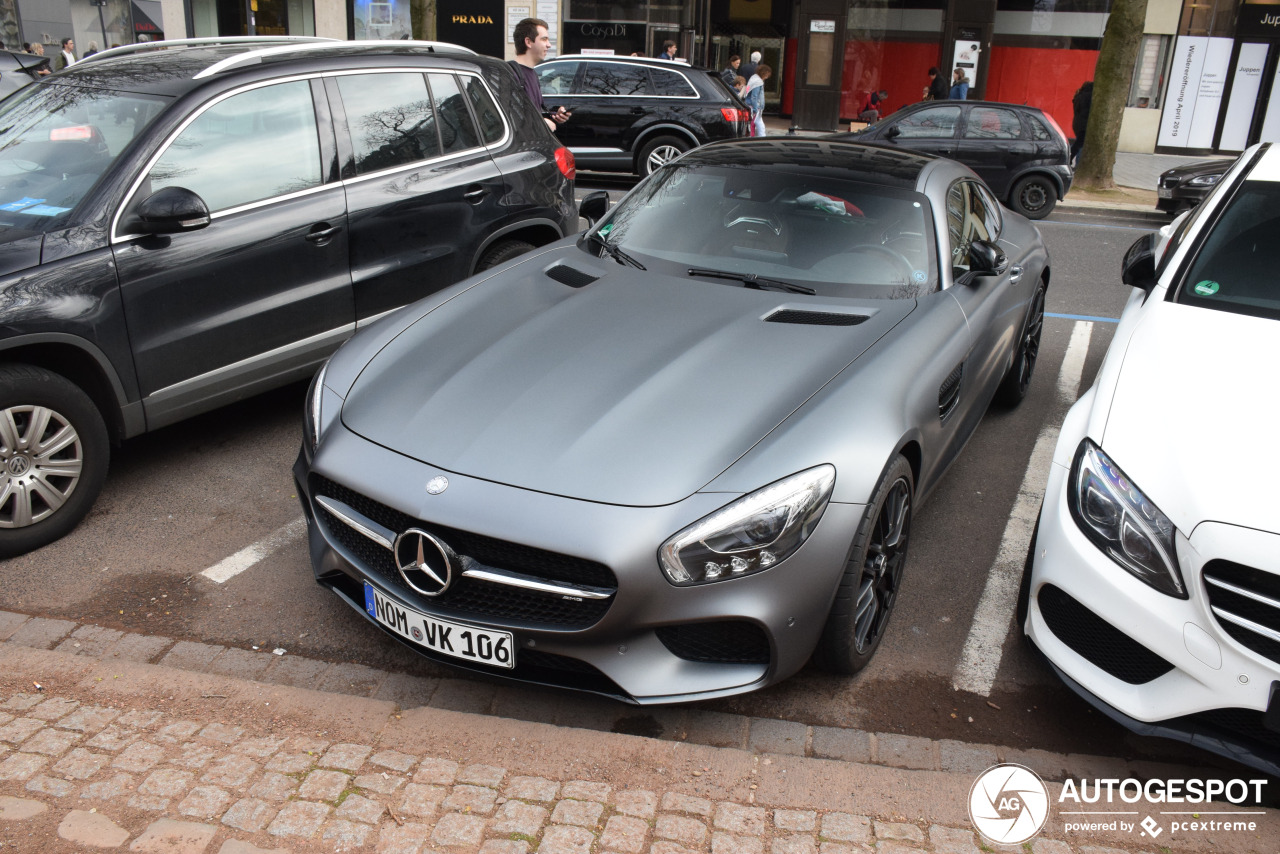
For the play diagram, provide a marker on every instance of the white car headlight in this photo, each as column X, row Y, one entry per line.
column 1122, row 522
column 755, row 532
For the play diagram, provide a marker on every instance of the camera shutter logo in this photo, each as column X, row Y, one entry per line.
column 1008, row 804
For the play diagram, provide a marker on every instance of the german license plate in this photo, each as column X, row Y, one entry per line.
column 481, row 646
column 1164, row 193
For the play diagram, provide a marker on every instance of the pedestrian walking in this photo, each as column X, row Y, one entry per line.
column 749, row 68
column 755, row 98
column 93, row 48
column 959, row 85
column 937, row 88
column 67, row 58
column 532, row 43
column 668, row 50
column 731, row 70
column 1081, row 103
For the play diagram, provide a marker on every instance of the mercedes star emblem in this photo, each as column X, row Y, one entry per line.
column 437, row 485
column 425, row 563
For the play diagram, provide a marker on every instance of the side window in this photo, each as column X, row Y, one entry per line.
column 957, row 209
column 485, row 110
column 992, row 123
column 252, row 146
column 457, row 131
column 670, row 84
column 933, row 122
column 390, row 118
column 980, row 217
column 614, row 78
column 556, row 78
column 992, row 217
column 1038, row 131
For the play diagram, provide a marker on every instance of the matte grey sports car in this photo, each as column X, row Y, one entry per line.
column 677, row 457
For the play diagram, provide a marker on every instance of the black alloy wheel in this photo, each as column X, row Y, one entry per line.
column 1013, row 388
column 872, row 577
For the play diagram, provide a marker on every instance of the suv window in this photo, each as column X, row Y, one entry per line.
column 252, row 146
column 457, row 131
column 390, row 119
column 556, row 78
column 992, row 123
column 670, row 84
column 486, row 111
column 614, row 78
column 936, row 122
column 56, row 141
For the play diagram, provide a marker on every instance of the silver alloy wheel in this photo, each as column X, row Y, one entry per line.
column 661, row 155
column 41, row 458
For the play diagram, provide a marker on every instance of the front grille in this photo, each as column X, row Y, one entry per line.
column 732, row 642
column 1246, row 603
column 1097, row 641
column 472, row 598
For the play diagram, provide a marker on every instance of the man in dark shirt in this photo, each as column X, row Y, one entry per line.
column 532, row 43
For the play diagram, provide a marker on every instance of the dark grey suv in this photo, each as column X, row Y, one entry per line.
column 632, row 114
column 184, row 228
column 1018, row 150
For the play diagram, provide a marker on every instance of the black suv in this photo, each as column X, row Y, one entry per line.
column 1018, row 150
column 632, row 114
column 187, row 227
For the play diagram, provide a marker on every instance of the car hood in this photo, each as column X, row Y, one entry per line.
column 1190, row 420
column 1194, row 170
column 637, row 389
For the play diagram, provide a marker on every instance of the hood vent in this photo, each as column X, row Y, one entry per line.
column 574, row 278
column 815, row 318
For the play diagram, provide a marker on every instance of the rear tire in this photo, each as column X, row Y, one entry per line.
column 1013, row 388
column 502, row 252
column 657, row 152
column 1035, row 196
column 53, row 457
column 872, row 576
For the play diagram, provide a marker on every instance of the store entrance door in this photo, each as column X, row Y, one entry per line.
column 819, row 63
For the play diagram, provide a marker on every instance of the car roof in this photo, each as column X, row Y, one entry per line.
column 873, row 164
column 183, row 66
column 1005, row 104
column 651, row 61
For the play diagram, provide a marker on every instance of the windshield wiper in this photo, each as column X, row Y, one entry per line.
column 751, row 280
column 615, row 252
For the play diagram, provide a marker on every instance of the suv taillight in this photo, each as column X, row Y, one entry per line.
column 733, row 114
column 564, row 159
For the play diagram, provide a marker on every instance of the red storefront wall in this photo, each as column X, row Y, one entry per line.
column 1043, row 77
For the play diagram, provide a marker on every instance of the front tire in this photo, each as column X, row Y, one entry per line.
column 657, row 153
column 53, row 457
column 501, row 252
column 1035, row 196
column 872, row 576
column 1013, row 388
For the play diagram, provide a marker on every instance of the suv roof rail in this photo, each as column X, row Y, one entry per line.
column 259, row 55
column 607, row 56
column 124, row 50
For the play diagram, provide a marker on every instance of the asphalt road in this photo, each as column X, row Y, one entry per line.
column 188, row 497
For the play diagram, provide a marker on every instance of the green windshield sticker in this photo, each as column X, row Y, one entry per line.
column 605, row 229
column 1207, row 288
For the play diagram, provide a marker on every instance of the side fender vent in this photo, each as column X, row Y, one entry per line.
column 574, row 278
column 949, row 392
column 815, row 318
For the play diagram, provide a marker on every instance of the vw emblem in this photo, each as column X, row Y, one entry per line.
column 19, row 465
column 425, row 563
column 437, row 485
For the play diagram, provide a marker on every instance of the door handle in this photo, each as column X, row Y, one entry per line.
column 637, row 111
column 475, row 195
column 1015, row 274
column 321, row 233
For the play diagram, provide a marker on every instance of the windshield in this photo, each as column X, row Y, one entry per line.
column 838, row 237
column 1235, row 268
column 56, row 141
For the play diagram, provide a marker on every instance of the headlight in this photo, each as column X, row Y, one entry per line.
column 1205, row 180
column 311, row 412
column 1119, row 519
column 755, row 532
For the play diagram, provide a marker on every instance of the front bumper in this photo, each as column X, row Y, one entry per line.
column 1156, row 664
column 1180, row 197
column 650, row 642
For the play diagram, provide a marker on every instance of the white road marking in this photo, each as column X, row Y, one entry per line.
column 228, row 568
column 980, row 659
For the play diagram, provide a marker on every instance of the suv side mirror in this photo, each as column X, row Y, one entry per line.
column 170, row 211
column 1139, row 266
column 594, row 206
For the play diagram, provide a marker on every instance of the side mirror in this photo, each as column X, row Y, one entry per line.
column 1139, row 266
column 986, row 259
column 594, row 207
column 170, row 211
column 891, row 132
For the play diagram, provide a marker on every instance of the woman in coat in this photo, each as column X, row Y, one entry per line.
column 755, row 98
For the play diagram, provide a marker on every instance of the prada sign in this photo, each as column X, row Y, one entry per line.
column 477, row 24
column 1258, row 20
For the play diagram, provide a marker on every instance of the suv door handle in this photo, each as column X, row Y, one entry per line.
column 321, row 233
column 637, row 111
column 475, row 195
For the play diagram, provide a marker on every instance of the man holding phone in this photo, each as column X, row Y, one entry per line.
column 532, row 43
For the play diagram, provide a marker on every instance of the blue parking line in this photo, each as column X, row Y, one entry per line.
column 1082, row 317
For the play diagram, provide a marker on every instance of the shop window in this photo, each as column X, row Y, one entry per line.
column 1149, row 72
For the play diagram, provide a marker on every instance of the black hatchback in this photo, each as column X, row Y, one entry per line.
column 632, row 114
column 1018, row 150
column 180, row 229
